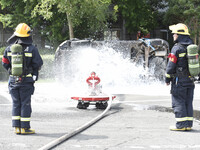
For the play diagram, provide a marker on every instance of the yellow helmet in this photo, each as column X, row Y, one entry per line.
column 179, row 28
column 22, row 30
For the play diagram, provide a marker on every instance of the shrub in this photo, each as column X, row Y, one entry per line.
column 47, row 71
column 2, row 49
column 3, row 72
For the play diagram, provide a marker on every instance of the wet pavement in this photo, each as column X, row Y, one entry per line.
column 135, row 121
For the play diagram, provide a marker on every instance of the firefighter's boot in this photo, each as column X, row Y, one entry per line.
column 189, row 128
column 17, row 130
column 173, row 128
column 27, row 131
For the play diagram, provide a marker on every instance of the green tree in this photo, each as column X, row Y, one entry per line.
column 138, row 14
column 13, row 12
column 193, row 18
column 185, row 11
column 95, row 12
column 52, row 18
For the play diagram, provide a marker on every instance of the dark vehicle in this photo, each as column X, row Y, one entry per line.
column 152, row 53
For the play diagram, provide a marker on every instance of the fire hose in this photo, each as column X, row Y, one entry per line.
column 67, row 136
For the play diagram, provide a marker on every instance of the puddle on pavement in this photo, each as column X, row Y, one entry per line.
column 196, row 114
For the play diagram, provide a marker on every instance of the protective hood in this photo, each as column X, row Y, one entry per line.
column 20, row 40
column 184, row 40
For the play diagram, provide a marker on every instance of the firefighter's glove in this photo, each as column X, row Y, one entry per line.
column 34, row 77
column 168, row 80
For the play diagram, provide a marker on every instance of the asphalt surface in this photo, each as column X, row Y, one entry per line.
column 135, row 121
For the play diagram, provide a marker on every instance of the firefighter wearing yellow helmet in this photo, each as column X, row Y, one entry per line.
column 23, row 61
column 22, row 30
column 177, row 73
column 179, row 28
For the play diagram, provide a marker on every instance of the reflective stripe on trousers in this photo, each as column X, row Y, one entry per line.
column 16, row 117
column 21, row 118
column 25, row 119
column 184, row 119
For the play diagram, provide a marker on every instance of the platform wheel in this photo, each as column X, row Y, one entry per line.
column 82, row 105
column 101, row 105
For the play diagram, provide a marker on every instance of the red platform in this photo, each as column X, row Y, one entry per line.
column 92, row 98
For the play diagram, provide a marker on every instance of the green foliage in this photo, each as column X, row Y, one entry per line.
column 44, row 8
column 5, row 3
column 89, row 17
column 175, row 13
column 3, row 72
column 55, row 31
column 184, row 11
column 2, row 49
column 14, row 12
column 91, row 13
column 6, row 19
column 47, row 70
column 138, row 14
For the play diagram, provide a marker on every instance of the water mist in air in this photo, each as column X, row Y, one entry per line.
column 116, row 71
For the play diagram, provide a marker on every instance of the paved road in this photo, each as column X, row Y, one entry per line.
column 130, row 124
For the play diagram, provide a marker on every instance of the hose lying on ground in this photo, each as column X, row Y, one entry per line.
column 78, row 130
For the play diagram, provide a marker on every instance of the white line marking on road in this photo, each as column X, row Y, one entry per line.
column 166, row 147
column 137, row 147
column 142, row 101
column 5, row 104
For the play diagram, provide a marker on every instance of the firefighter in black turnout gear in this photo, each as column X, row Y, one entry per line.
column 23, row 61
column 182, row 85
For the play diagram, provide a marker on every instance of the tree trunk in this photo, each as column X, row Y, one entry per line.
column 195, row 29
column 198, row 33
column 123, row 30
column 3, row 37
column 43, row 42
column 199, row 40
column 71, row 31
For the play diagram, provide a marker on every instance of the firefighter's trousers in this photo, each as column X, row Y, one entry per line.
column 182, row 99
column 21, row 97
